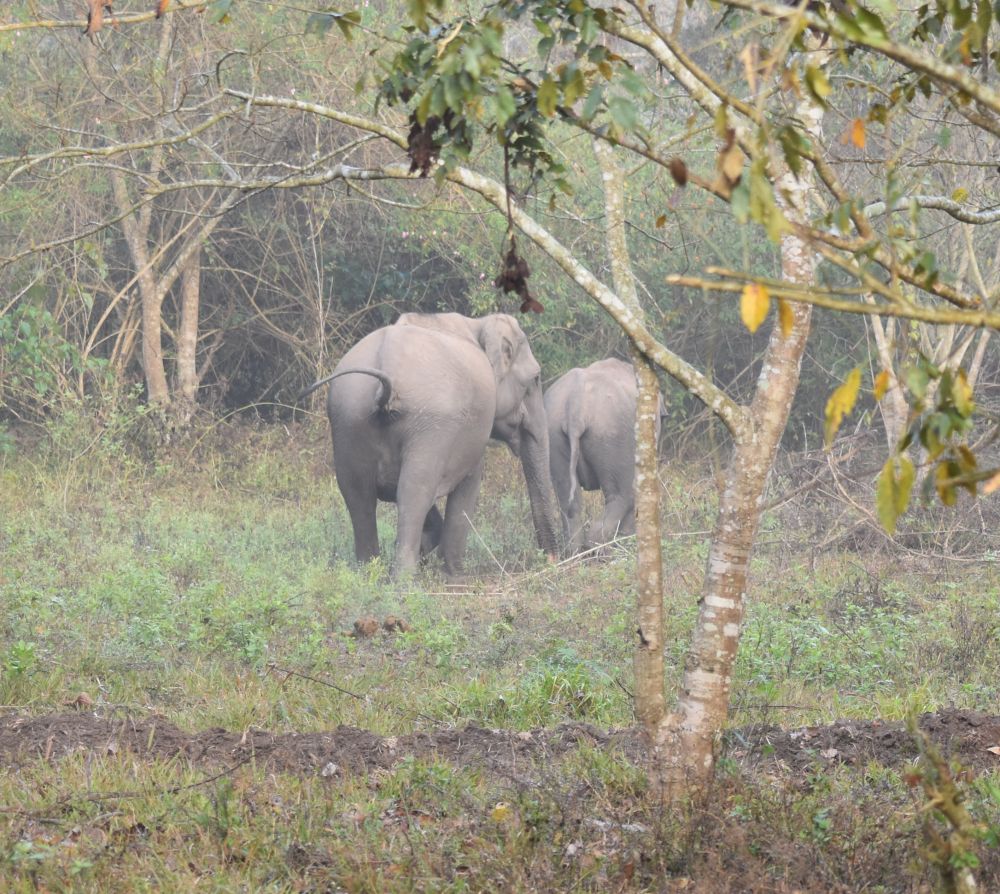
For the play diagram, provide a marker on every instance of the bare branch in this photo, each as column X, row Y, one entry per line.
column 81, row 24
column 938, row 203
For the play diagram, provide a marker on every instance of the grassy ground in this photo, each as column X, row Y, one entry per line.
column 189, row 585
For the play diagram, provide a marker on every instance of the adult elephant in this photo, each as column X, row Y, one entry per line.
column 411, row 409
column 591, row 419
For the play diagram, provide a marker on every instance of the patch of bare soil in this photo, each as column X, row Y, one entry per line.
column 970, row 737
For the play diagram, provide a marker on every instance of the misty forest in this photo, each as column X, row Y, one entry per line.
column 510, row 445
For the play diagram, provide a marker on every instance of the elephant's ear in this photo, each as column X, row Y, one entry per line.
column 499, row 347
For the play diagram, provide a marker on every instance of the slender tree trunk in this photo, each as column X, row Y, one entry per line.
column 650, row 704
column 187, row 337
column 893, row 405
column 135, row 227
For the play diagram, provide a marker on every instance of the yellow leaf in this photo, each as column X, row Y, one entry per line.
column 945, row 484
column 961, row 394
column 841, row 403
column 786, row 317
column 882, row 384
column 547, row 98
column 754, row 304
column 858, row 132
column 992, row 485
column 892, row 492
column 731, row 163
column 960, row 194
column 501, row 812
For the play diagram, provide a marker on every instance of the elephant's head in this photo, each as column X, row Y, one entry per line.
column 520, row 414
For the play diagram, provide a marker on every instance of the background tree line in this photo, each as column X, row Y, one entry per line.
column 257, row 292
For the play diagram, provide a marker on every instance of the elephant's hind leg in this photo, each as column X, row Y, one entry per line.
column 361, row 500
column 457, row 520
column 415, row 492
column 618, row 519
column 430, row 537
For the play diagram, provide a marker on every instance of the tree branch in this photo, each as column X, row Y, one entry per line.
column 937, row 203
column 80, row 24
column 818, row 298
column 914, row 60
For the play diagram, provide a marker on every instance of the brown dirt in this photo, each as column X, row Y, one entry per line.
column 965, row 735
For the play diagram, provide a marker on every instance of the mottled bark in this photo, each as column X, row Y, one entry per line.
column 684, row 745
column 892, row 406
column 650, row 701
column 187, row 337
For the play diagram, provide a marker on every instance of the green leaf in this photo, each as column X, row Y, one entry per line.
column 623, row 112
column 592, row 103
column 739, row 201
column 892, row 492
column 792, row 146
column 574, row 84
column 548, row 97
column 763, row 209
column 870, row 24
column 916, row 379
column 504, row 105
column 318, row 23
column 818, row 84
column 218, row 11
column 633, row 83
column 347, row 22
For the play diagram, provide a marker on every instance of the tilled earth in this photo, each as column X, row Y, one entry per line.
column 970, row 737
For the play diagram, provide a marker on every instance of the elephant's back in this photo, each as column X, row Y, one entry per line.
column 439, row 377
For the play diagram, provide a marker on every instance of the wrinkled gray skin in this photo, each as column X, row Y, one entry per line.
column 591, row 419
column 411, row 409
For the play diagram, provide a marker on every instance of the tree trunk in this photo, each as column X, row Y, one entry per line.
column 187, row 338
column 893, row 405
column 650, row 703
column 136, row 230
column 685, row 743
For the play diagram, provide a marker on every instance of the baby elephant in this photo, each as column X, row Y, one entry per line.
column 591, row 418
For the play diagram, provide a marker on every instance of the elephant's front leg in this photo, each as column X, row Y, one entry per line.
column 457, row 520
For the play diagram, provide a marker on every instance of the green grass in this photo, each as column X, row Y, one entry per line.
column 190, row 585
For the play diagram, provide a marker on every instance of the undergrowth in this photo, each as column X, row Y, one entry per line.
column 214, row 585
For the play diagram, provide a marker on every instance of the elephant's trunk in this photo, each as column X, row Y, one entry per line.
column 534, row 455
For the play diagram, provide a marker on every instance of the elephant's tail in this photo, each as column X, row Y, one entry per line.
column 385, row 395
column 574, row 459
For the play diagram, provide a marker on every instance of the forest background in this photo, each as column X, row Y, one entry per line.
column 175, row 255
